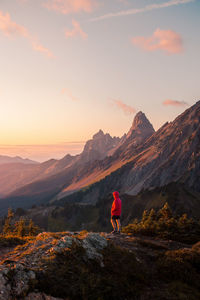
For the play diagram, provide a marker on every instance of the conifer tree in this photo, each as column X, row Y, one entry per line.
column 32, row 228
column 145, row 215
column 165, row 212
column 7, row 229
column 21, row 227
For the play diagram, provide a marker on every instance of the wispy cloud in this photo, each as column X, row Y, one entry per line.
column 170, row 102
column 71, row 6
column 76, row 31
column 166, row 40
column 147, row 8
column 40, row 48
column 127, row 109
column 69, row 94
column 12, row 29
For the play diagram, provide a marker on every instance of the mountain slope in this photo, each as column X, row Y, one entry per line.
column 16, row 175
column 170, row 154
column 84, row 168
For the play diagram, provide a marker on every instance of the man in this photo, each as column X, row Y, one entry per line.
column 116, row 213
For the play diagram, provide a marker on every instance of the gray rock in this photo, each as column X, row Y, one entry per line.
column 93, row 244
column 64, row 242
column 21, row 279
column 4, row 287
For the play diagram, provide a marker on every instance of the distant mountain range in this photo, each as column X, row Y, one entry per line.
column 17, row 159
column 141, row 160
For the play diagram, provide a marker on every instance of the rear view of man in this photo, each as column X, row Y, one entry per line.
column 116, row 213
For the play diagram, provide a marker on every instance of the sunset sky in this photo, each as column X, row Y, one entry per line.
column 71, row 67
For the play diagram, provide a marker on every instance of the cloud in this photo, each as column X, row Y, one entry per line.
column 170, row 102
column 167, row 40
column 69, row 94
column 76, row 31
column 71, row 6
column 128, row 110
column 12, row 29
column 40, row 48
column 147, row 8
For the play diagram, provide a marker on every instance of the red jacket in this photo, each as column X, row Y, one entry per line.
column 117, row 205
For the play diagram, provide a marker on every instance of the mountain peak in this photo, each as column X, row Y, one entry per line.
column 140, row 121
column 141, row 124
column 98, row 135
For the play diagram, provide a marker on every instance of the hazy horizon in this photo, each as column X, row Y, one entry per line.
column 41, row 153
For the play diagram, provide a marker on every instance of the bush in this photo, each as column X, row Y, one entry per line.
column 20, row 228
column 166, row 225
column 182, row 265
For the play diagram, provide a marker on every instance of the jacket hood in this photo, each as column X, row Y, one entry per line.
column 116, row 195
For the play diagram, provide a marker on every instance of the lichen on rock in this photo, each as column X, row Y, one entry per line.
column 93, row 244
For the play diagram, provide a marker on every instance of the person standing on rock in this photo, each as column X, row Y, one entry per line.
column 116, row 213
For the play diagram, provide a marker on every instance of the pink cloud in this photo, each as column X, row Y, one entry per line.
column 40, row 48
column 166, row 40
column 127, row 109
column 76, row 31
column 170, row 102
column 69, row 94
column 71, row 6
column 12, row 29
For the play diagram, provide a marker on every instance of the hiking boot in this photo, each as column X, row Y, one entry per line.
column 114, row 232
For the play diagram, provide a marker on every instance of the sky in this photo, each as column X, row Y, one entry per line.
column 72, row 67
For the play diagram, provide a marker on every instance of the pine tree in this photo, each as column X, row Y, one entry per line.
column 32, row 228
column 7, row 228
column 21, row 227
column 145, row 215
column 165, row 212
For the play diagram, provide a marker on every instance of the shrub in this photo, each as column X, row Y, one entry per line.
column 166, row 225
column 20, row 228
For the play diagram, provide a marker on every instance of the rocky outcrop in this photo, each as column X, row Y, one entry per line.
column 20, row 278
column 98, row 147
column 140, row 129
column 19, row 268
column 82, row 265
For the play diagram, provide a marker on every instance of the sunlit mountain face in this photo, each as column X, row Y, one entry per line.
column 89, row 102
column 142, row 159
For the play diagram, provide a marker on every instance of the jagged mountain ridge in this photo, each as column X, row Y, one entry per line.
column 170, row 154
column 98, row 147
column 95, row 149
column 76, row 171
